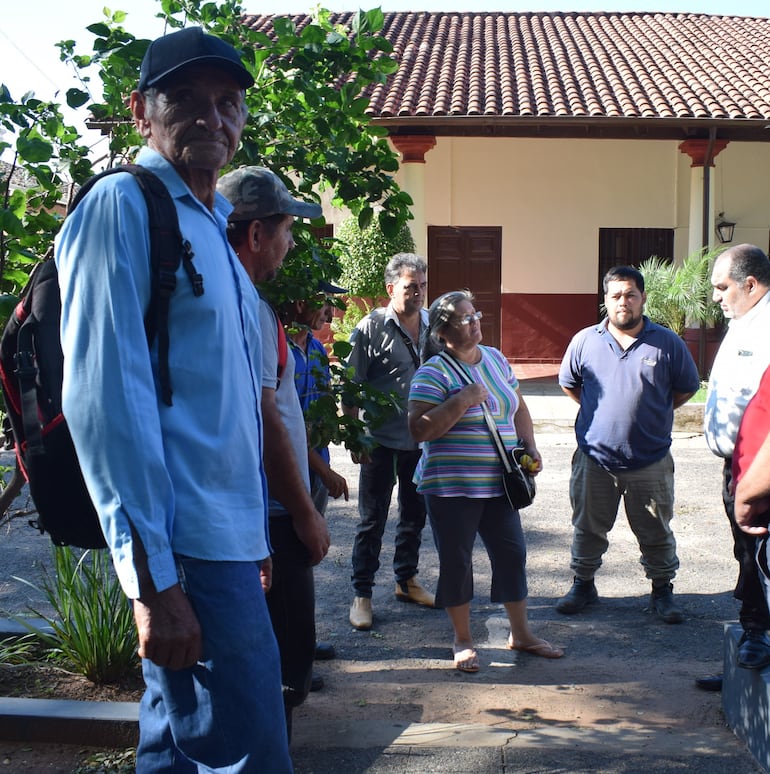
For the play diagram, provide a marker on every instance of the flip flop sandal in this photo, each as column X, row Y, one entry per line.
column 544, row 649
column 466, row 660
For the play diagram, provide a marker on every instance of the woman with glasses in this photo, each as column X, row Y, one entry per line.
column 460, row 473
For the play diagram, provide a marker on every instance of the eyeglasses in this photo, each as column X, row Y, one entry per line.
column 469, row 318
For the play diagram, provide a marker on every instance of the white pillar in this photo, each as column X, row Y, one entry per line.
column 696, row 150
column 413, row 149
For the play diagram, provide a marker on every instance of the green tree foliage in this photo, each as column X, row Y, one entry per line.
column 307, row 122
column 47, row 155
column 325, row 426
column 307, row 118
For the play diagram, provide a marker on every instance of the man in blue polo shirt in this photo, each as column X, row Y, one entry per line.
column 628, row 375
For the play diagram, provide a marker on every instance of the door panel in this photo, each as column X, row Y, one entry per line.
column 631, row 247
column 468, row 257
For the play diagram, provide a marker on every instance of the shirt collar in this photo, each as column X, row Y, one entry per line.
column 177, row 188
column 390, row 314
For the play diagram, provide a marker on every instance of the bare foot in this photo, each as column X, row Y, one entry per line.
column 536, row 647
column 465, row 657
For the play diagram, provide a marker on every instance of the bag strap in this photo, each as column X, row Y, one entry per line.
column 409, row 344
column 490, row 420
column 168, row 248
column 283, row 347
column 26, row 373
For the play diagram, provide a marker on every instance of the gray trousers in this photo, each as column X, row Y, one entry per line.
column 648, row 496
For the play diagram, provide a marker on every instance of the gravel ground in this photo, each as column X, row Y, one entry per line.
column 624, row 672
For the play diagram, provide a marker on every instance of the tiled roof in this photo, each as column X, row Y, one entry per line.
column 539, row 70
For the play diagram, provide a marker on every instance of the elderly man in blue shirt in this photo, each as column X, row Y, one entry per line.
column 179, row 489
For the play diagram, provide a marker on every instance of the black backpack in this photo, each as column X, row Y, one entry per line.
column 31, row 368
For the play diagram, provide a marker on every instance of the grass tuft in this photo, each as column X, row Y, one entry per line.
column 93, row 628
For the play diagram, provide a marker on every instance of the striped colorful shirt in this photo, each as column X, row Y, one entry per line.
column 464, row 463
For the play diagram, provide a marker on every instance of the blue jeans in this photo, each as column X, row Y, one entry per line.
column 225, row 714
column 376, row 482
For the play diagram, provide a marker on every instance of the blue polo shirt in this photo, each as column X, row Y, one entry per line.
column 626, row 401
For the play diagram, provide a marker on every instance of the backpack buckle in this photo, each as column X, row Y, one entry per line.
column 25, row 364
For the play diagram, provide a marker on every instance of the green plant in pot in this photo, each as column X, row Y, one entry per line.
column 679, row 295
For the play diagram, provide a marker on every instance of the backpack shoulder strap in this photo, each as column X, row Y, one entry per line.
column 168, row 248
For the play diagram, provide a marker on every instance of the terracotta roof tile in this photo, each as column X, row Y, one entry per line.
column 572, row 65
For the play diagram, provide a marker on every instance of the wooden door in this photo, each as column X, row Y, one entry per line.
column 468, row 257
column 631, row 247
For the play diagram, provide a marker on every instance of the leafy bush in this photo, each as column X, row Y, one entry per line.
column 366, row 253
column 93, row 625
column 355, row 311
column 325, row 425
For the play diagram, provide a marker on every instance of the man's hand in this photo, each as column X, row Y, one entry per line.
column 266, row 573
column 752, row 517
column 752, row 493
column 335, row 483
column 314, row 534
column 169, row 632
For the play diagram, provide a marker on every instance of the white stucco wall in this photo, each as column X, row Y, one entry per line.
column 742, row 191
column 551, row 197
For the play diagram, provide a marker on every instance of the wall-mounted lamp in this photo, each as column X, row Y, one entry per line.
column 724, row 228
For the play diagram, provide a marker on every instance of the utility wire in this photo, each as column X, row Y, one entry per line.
column 32, row 62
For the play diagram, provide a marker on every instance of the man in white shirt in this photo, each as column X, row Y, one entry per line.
column 741, row 281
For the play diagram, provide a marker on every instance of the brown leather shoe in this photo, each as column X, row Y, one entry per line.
column 361, row 613
column 414, row 592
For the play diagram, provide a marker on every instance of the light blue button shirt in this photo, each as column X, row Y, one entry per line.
column 188, row 478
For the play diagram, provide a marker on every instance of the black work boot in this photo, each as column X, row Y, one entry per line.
column 582, row 593
column 662, row 602
column 753, row 650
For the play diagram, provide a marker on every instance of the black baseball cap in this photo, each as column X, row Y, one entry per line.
column 329, row 289
column 169, row 53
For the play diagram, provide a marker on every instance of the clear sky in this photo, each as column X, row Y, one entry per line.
column 29, row 29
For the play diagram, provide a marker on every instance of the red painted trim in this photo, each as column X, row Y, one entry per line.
column 537, row 327
column 413, row 147
column 696, row 150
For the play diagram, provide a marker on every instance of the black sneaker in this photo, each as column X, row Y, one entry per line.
column 662, row 602
column 582, row 593
column 709, row 682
